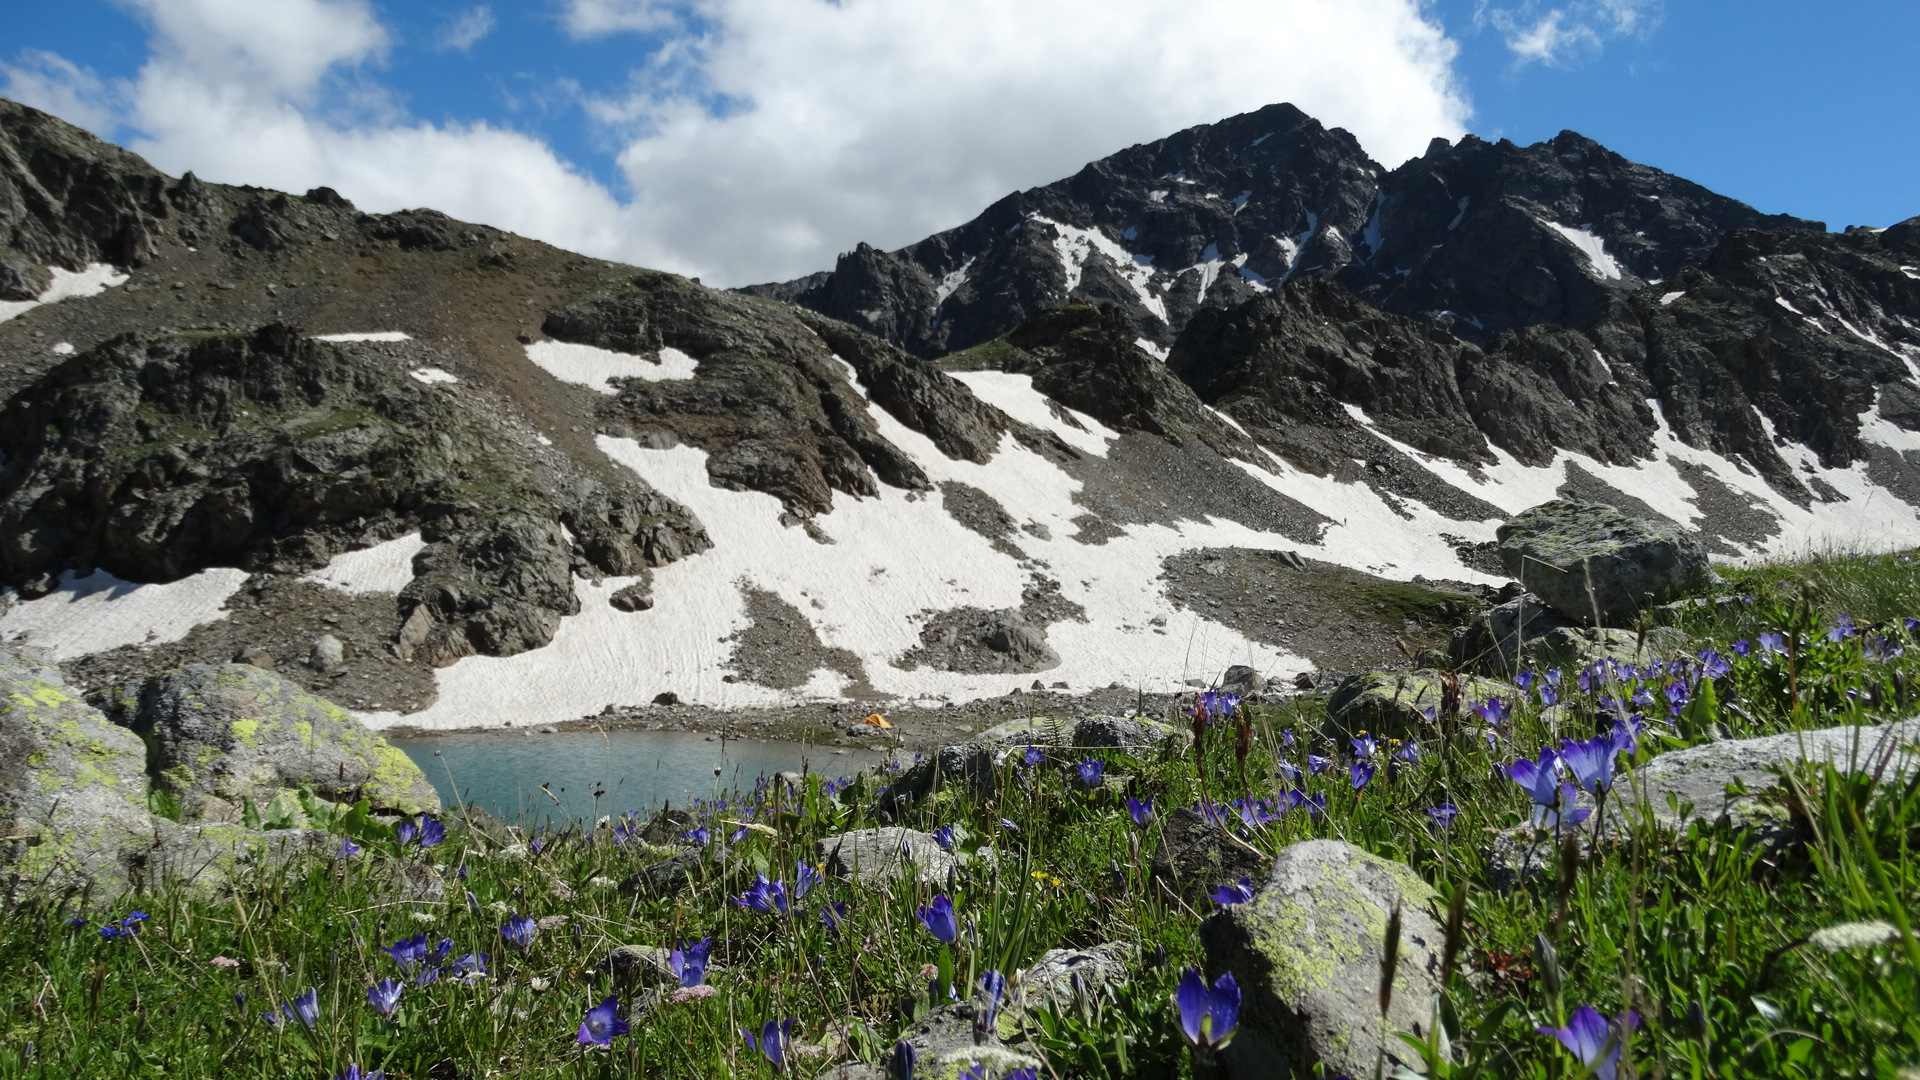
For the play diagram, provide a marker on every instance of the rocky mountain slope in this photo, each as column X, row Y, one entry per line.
column 453, row 477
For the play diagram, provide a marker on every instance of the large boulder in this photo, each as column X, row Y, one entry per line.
column 73, row 787
column 1196, row 855
column 1400, row 704
column 226, row 733
column 1559, row 550
column 1526, row 633
column 881, row 856
column 1061, row 975
column 1307, row 952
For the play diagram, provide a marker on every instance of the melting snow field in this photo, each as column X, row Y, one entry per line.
column 374, row 335
column 1594, row 248
column 100, row 612
column 382, row 568
column 431, row 375
column 597, row 368
column 66, row 285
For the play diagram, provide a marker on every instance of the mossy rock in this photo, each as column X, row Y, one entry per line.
column 1396, row 704
column 1527, row 634
column 73, row 786
column 1588, row 559
column 224, row 734
column 1306, row 952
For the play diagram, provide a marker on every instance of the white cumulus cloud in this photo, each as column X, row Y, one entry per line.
column 52, row 83
column 1562, row 34
column 466, row 29
column 765, row 136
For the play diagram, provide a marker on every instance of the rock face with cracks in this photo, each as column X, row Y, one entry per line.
column 228, row 733
column 1585, row 559
column 1307, row 953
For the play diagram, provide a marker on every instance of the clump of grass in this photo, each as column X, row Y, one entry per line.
column 1693, row 953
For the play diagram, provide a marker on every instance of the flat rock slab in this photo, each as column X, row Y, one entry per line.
column 945, row 1046
column 1306, row 952
column 1054, row 978
column 979, row 761
column 1700, row 774
column 1585, row 557
column 878, row 856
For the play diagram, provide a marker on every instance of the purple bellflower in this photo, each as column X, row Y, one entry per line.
column 1141, row 810
column 384, row 996
column 939, row 920
column 601, row 1025
column 1090, row 772
column 772, row 1044
column 1240, row 892
column 1594, row 1040
column 1208, row 1015
column 519, row 931
column 689, row 961
column 1360, row 773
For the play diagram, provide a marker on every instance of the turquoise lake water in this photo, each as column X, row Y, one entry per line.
column 630, row 770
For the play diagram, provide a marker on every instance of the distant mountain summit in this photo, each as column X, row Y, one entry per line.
column 1476, row 237
column 1238, row 397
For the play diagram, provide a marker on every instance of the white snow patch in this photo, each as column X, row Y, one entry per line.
column 1594, row 248
column 1015, row 396
column 431, row 375
column 373, row 335
column 952, row 282
column 66, row 285
column 1911, row 271
column 1209, row 267
column 1785, row 303
column 1240, row 200
column 1461, row 212
column 1158, row 196
column 1370, row 236
column 1075, row 246
column 1668, row 298
column 1179, row 177
column 543, row 440
column 87, row 615
column 1159, row 352
column 1260, row 140
column 1875, row 428
column 382, row 568
column 63, row 348
column 595, row 367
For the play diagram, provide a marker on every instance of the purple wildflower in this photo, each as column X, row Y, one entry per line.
column 944, row 837
column 1208, row 1016
column 689, row 961
column 1141, row 811
column 519, row 931
column 1359, row 774
column 772, row 1044
column 1240, row 892
column 384, row 996
column 1593, row 1040
column 1317, row 765
column 1443, row 815
column 1090, row 772
column 939, row 920
column 601, row 1025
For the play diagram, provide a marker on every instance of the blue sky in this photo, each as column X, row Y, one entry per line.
column 753, row 139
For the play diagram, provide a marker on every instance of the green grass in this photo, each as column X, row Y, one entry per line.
column 1708, row 937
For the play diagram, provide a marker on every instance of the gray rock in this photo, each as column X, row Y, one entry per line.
column 1698, row 776
column 1240, row 680
column 1060, row 973
column 72, row 784
column 1136, row 733
column 209, row 858
column 225, row 733
column 257, row 655
column 1307, row 953
column 1023, row 644
column 1394, row 704
column 635, row 597
column 1527, row 631
column 328, row 652
column 636, row 965
column 946, row 1045
column 1196, row 855
column 1558, row 549
column 879, row 856
column 979, row 762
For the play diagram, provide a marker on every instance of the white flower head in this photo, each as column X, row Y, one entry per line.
column 1853, row 935
column 425, row 917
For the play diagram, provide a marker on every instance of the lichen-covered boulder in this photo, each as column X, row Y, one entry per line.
column 1307, row 953
column 1061, row 974
column 225, row 733
column 209, row 858
column 1400, row 704
column 1525, row 633
column 879, row 856
column 1559, row 549
column 1697, row 777
column 73, row 787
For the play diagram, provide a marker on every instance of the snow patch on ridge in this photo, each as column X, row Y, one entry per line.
column 373, row 335
column 1015, row 396
column 382, row 568
column 431, row 375
column 951, row 283
column 66, row 285
column 590, row 366
column 87, row 615
column 1593, row 247
column 1075, row 246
